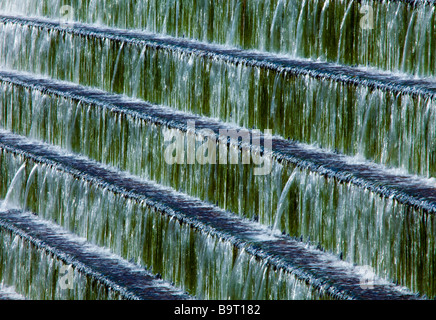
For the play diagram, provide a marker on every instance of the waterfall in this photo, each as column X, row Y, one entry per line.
column 282, row 199
column 218, row 149
column 8, row 202
column 28, row 185
column 282, row 21
column 339, row 109
column 108, row 219
column 41, row 281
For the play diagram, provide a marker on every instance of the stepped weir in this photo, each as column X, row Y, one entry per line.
column 241, row 149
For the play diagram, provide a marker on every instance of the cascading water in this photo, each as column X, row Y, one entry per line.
column 351, row 120
column 341, row 31
column 126, row 226
column 7, row 202
column 343, row 81
column 108, row 219
column 19, row 258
